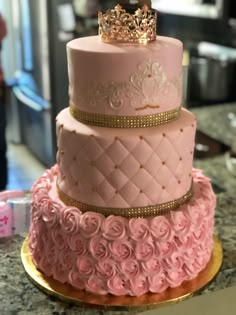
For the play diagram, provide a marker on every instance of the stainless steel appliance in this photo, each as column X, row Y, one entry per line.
column 212, row 74
column 40, row 30
column 41, row 88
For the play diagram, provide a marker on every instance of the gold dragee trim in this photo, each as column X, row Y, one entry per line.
column 147, row 106
column 110, row 121
column 136, row 212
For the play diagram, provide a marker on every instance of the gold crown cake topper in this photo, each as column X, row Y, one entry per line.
column 118, row 25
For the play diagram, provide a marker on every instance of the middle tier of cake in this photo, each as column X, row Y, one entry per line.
column 124, row 168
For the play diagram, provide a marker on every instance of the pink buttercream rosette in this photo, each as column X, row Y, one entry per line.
column 117, row 255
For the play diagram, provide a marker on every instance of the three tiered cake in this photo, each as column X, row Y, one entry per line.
column 122, row 211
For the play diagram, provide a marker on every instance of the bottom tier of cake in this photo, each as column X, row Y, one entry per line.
column 120, row 256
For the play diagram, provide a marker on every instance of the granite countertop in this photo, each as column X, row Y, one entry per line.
column 19, row 296
column 215, row 122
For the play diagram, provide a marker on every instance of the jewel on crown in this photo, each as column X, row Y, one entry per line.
column 118, row 25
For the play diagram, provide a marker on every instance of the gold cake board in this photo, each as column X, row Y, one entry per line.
column 67, row 293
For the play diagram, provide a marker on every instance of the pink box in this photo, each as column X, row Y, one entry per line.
column 7, row 194
column 5, row 219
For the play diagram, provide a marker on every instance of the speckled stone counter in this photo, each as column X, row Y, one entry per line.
column 19, row 296
column 215, row 121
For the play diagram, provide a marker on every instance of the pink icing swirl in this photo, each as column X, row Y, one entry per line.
column 96, row 285
column 198, row 176
column 174, row 261
column 114, row 228
column 152, row 266
column 60, row 273
column 49, row 175
column 130, row 268
column 144, row 250
column 209, row 244
column 33, row 238
column 139, row 285
column 106, row 269
column 200, row 234
column 158, row 283
column 75, row 280
column 210, row 225
column 36, row 256
column 161, row 228
column 118, row 285
column 42, row 185
column 180, row 223
column 78, row 244
column 90, row 223
column 45, row 266
column 36, row 242
column 195, row 214
column 36, row 212
column 39, row 194
column 67, row 260
column 200, row 262
column 70, row 219
column 196, row 264
column 175, row 277
column 58, row 238
column 85, row 266
column 52, row 254
column 185, row 245
column 139, row 229
column 121, row 250
column 167, row 249
column 47, row 236
column 98, row 247
column 209, row 204
column 50, row 212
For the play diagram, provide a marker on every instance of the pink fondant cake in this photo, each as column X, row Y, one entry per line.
column 122, row 212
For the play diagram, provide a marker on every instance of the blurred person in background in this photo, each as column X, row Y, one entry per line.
column 3, row 145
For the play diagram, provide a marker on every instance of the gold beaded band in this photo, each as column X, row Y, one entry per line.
column 136, row 212
column 101, row 120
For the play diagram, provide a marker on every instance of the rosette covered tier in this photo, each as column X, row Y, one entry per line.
column 117, row 255
column 123, row 212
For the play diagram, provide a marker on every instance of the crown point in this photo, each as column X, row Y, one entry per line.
column 145, row 8
column 118, row 7
column 139, row 13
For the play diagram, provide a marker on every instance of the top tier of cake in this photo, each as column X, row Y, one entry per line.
column 125, row 79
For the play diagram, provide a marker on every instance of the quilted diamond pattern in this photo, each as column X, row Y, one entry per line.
column 123, row 169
